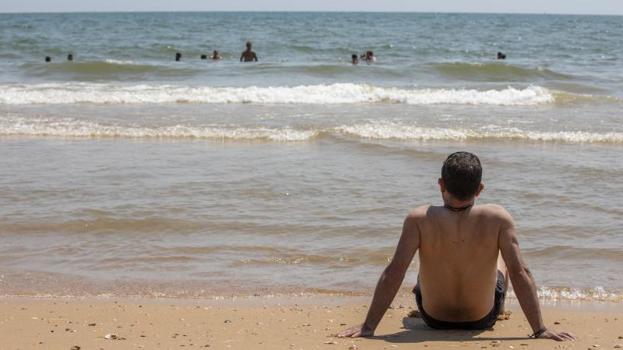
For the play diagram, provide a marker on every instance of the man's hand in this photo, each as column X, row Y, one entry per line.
column 557, row 336
column 356, row 332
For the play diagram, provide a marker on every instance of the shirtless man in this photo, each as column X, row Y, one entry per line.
column 248, row 55
column 467, row 253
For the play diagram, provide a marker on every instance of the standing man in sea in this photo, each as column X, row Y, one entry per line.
column 248, row 55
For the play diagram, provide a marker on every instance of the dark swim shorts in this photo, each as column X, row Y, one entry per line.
column 484, row 323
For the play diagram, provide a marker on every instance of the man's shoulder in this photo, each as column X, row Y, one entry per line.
column 495, row 212
column 418, row 213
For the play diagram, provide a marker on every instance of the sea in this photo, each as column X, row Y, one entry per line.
column 127, row 173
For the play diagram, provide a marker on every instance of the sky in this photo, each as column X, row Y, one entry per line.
column 607, row 7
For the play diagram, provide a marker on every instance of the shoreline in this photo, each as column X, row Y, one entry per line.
column 303, row 322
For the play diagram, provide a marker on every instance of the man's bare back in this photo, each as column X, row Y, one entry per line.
column 460, row 245
column 458, row 260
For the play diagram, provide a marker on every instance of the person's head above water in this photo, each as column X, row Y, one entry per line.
column 461, row 176
column 178, row 56
column 354, row 58
column 249, row 45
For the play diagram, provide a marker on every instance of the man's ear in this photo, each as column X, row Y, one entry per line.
column 442, row 185
column 481, row 187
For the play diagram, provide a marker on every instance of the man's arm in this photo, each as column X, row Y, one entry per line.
column 390, row 280
column 255, row 56
column 523, row 282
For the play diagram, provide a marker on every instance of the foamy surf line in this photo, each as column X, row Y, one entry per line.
column 83, row 129
column 397, row 131
column 74, row 93
column 381, row 130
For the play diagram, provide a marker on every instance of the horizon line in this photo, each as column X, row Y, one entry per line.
column 312, row 11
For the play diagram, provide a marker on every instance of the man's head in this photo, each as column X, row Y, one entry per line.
column 461, row 176
column 249, row 45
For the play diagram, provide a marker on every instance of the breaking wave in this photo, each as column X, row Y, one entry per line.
column 72, row 93
column 395, row 131
column 495, row 72
column 83, row 129
column 379, row 130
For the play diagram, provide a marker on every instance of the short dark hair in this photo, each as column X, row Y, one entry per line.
column 462, row 174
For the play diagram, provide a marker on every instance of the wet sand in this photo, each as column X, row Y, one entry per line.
column 273, row 323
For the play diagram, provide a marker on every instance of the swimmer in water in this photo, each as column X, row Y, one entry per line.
column 501, row 56
column 70, row 57
column 369, row 57
column 354, row 59
column 178, row 57
column 216, row 56
column 248, row 55
column 48, row 59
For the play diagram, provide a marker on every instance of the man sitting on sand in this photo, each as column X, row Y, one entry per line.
column 462, row 279
column 248, row 55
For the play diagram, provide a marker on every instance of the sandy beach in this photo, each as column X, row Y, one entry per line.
column 274, row 323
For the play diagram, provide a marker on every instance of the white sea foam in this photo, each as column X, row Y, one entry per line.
column 76, row 128
column 71, row 93
column 378, row 130
column 112, row 61
column 383, row 130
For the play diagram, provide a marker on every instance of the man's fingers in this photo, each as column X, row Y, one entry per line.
column 350, row 333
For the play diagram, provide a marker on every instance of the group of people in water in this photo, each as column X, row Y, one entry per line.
column 367, row 57
column 248, row 55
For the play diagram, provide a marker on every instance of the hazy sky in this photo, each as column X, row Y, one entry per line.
column 522, row 6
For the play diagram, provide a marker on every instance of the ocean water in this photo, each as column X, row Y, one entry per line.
column 127, row 173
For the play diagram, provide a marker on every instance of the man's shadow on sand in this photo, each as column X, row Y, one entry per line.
column 417, row 331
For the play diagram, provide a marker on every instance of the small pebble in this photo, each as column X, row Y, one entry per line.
column 75, row 347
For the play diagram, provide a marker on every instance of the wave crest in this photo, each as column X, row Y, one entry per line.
column 394, row 131
column 72, row 93
column 495, row 72
column 76, row 128
column 378, row 130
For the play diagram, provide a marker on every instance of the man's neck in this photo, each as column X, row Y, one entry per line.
column 458, row 205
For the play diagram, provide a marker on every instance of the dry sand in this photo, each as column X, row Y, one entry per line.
column 272, row 323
